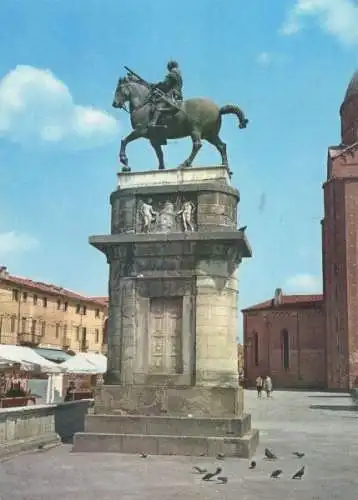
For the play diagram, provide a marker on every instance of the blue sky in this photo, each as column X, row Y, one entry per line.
column 286, row 66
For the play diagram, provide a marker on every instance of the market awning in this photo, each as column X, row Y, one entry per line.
column 26, row 355
column 98, row 360
column 79, row 364
column 55, row 355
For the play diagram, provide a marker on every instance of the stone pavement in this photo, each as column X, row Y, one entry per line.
column 320, row 424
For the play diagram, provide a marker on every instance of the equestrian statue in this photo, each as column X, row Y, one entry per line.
column 158, row 113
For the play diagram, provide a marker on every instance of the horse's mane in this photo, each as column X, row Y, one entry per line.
column 131, row 78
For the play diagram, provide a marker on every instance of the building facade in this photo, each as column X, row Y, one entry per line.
column 39, row 314
column 340, row 248
column 285, row 338
column 311, row 340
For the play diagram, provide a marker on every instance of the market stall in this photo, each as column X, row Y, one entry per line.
column 83, row 373
column 18, row 364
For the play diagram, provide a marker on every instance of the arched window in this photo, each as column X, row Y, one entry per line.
column 285, row 349
column 255, row 340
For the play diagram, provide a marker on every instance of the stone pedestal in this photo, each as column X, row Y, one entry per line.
column 173, row 253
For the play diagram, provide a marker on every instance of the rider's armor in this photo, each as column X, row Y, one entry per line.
column 172, row 87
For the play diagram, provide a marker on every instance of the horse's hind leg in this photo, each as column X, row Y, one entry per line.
column 159, row 152
column 220, row 146
column 196, row 138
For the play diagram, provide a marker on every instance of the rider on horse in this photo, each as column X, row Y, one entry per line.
column 172, row 87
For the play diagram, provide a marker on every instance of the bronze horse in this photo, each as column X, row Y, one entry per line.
column 198, row 118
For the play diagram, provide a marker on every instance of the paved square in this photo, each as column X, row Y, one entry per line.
column 319, row 424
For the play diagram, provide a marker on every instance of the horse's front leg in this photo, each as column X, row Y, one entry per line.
column 135, row 134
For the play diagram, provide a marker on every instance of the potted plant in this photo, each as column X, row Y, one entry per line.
column 14, row 397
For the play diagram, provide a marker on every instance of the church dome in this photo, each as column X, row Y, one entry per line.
column 352, row 88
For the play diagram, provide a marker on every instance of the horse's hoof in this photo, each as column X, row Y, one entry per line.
column 126, row 169
column 161, row 167
column 244, row 123
column 184, row 165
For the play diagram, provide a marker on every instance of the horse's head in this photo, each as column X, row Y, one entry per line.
column 130, row 89
column 121, row 94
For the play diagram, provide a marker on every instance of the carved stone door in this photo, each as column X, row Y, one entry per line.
column 165, row 331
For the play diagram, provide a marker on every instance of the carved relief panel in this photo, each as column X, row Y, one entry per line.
column 166, row 214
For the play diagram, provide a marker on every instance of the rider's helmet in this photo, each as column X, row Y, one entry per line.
column 171, row 65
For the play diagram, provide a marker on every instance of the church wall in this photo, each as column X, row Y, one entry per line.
column 306, row 352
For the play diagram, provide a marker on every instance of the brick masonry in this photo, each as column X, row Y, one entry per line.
column 305, row 327
column 323, row 335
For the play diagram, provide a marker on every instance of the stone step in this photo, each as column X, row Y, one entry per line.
column 164, row 425
column 241, row 447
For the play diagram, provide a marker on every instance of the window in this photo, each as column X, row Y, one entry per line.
column 13, row 324
column 23, row 324
column 256, row 349
column 57, row 330
column 77, row 333
column 97, row 313
column 58, row 305
column 44, row 302
column 65, row 306
column 97, row 335
column 24, row 296
column 35, row 300
column 84, row 310
column 337, row 343
column 33, row 326
column 337, row 323
column 65, row 330
column 43, row 328
column 84, row 339
column 78, row 308
column 285, row 349
column 15, row 295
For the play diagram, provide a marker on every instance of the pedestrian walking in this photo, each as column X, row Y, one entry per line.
column 259, row 386
column 268, row 386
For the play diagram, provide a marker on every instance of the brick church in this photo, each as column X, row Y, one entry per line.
column 312, row 340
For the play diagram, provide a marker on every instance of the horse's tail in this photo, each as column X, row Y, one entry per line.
column 230, row 109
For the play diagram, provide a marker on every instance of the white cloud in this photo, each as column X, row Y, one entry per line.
column 336, row 17
column 304, row 283
column 13, row 242
column 36, row 107
column 264, row 59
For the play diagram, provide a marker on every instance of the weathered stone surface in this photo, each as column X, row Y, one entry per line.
column 26, row 428
column 198, row 401
column 242, row 447
column 165, row 425
column 173, row 309
column 173, row 177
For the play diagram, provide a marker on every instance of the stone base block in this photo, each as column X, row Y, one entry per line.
column 10, row 448
column 177, row 426
column 198, row 401
column 241, row 447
